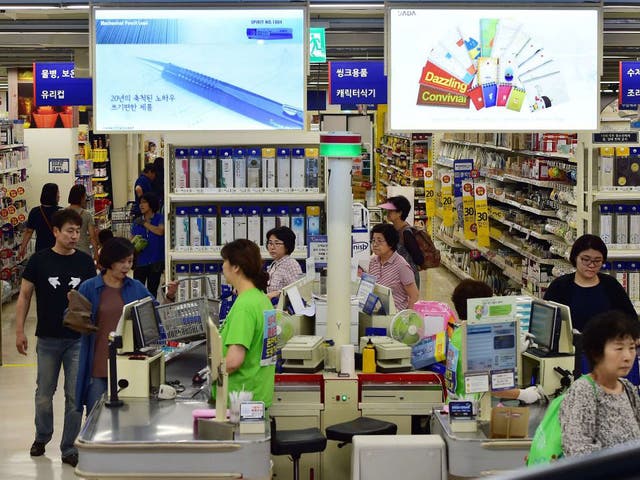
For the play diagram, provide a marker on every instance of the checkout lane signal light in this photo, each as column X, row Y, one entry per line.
column 407, row 327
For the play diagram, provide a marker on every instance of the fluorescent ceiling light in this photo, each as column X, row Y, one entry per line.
column 28, row 7
column 350, row 6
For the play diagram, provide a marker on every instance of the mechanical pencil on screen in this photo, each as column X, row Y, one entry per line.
column 239, row 100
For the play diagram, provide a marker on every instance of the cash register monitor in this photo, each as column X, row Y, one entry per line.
column 305, row 288
column 146, row 333
column 545, row 324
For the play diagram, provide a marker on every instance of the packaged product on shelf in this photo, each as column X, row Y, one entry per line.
column 313, row 220
column 311, row 167
column 239, row 222
column 196, row 226
column 634, row 224
column 210, row 231
column 283, row 168
column 182, row 277
column 239, row 168
column 605, row 166
column 606, row 223
column 210, row 168
column 622, row 275
column 182, row 168
column 297, row 168
column 634, row 281
column 195, row 284
column 269, row 167
column 182, row 226
column 268, row 219
column 254, row 165
column 297, row 223
column 226, row 168
column 282, row 216
column 622, row 224
column 254, row 221
column 627, row 168
column 212, row 271
column 226, row 225
column 195, row 168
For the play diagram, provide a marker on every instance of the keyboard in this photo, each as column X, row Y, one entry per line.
column 538, row 352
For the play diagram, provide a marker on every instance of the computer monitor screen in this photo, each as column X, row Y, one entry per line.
column 146, row 331
column 543, row 325
column 491, row 346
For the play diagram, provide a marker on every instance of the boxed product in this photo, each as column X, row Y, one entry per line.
column 210, row 167
column 282, row 216
column 283, row 168
column 254, row 222
column 269, row 167
column 212, row 271
column 297, row 168
column 239, row 222
column 313, row 220
column 622, row 224
column 195, row 168
column 182, row 168
column 634, row 224
column 606, row 167
column 210, row 230
column 196, row 226
column 634, row 281
column 182, row 277
column 268, row 218
column 182, row 227
column 195, row 284
column 226, row 168
column 226, row 225
column 311, row 167
column 606, row 223
column 239, row 168
column 627, row 171
column 254, row 167
column 297, row 223
column 622, row 275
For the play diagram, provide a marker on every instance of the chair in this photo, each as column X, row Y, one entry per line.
column 295, row 443
column 344, row 432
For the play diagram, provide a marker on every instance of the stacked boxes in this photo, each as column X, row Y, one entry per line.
column 620, row 224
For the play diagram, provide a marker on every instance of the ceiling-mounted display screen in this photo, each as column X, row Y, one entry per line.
column 493, row 70
column 196, row 69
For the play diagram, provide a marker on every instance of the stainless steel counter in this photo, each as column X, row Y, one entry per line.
column 149, row 439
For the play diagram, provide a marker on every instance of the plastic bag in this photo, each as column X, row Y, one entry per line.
column 139, row 243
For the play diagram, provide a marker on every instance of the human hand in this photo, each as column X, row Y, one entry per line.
column 21, row 343
column 529, row 395
column 139, row 221
column 172, row 289
column 528, row 341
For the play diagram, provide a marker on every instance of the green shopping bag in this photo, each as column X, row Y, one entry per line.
column 546, row 446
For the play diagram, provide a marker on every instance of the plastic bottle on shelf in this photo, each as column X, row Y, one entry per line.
column 369, row 358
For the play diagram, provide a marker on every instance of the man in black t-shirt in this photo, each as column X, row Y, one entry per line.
column 51, row 273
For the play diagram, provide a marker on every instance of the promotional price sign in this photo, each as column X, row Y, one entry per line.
column 482, row 215
column 446, row 191
column 461, row 171
column 468, row 210
column 429, row 192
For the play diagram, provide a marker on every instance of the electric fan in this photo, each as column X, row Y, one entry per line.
column 407, row 327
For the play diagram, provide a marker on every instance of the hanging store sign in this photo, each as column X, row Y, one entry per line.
column 446, row 192
column 468, row 210
column 317, row 45
column 55, row 85
column 629, row 92
column 357, row 82
column 429, row 192
column 482, row 215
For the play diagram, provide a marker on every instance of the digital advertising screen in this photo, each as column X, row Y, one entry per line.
column 197, row 69
column 488, row 70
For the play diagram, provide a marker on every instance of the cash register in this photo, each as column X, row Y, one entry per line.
column 303, row 353
column 391, row 355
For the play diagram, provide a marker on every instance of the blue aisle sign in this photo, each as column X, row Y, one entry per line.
column 357, row 82
column 55, row 85
column 629, row 83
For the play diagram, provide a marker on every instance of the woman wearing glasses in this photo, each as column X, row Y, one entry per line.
column 589, row 292
column 284, row 270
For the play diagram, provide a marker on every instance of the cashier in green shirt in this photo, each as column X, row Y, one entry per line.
column 454, row 375
column 243, row 332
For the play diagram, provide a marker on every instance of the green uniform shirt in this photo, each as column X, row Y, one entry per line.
column 244, row 326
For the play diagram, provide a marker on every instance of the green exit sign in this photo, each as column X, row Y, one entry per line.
column 317, row 45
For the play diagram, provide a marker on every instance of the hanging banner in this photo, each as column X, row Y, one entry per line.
column 429, row 192
column 468, row 210
column 446, row 182
column 629, row 92
column 54, row 84
column 362, row 82
column 482, row 215
column 461, row 171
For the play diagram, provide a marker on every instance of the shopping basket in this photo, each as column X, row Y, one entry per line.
column 121, row 220
column 187, row 320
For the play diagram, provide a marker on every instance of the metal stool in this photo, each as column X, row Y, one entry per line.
column 295, row 443
column 344, row 432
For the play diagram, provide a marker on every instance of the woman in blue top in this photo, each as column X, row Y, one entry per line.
column 150, row 226
column 108, row 292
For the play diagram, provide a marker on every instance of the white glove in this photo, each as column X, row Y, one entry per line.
column 529, row 395
column 527, row 341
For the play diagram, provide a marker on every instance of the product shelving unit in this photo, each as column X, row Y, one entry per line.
column 533, row 219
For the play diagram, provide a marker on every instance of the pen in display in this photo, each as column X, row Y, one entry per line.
column 239, row 100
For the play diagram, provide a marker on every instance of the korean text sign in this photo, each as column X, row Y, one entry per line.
column 357, row 82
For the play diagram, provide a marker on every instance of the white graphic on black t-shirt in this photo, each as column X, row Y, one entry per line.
column 74, row 282
column 54, row 281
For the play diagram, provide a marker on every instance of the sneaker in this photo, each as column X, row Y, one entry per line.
column 37, row 449
column 71, row 459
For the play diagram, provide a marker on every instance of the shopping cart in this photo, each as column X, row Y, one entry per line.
column 187, row 320
column 121, row 220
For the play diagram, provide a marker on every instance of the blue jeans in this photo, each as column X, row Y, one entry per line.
column 97, row 387
column 53, row 353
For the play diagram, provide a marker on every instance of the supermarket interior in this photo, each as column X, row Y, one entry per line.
column 386, row 238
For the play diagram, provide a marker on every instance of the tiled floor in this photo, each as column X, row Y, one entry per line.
column 17, row 387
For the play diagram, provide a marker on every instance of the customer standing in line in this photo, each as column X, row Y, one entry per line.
column 88, row 235
column 284, row 270
column 390, row 269
column 398, row 209
column 243, row 332
column 39, row 220
column 158, row 182
column 150, row 226
column 51, row 273
column 144, row 184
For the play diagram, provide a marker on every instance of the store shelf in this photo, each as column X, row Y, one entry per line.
column 14, row 169
column 613, row 195
column 213, row 253
column 623, row 252
column 523, row 229
column 101, row 195
column 526, row 208
column 100, row 179
column 452, row 242
column 237, row 195
column 524, row 253
column 453, row 268
column 530, row 153
column 11, row 146
column 537, row 183
column 445, row 162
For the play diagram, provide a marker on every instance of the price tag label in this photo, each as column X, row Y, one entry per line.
column 429, row 192
column 447, row 200
column 468, row 210
column 482, row 215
